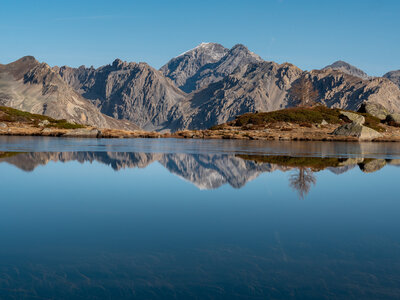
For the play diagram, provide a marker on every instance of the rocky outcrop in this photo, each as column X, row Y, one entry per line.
column 357, row 130
column 131, row 91
column 348, row 69
column 83, row 132
column 374, row 109
column 393, row 76
column 34, row 87
column 355, row 118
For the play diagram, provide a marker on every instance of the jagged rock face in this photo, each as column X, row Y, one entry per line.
column 254, row 87
column 393, row 76
column 132, row 91
column 339, row 90
column 348, row 69
column 267, row 86
column 34, row 87
column 183, row 67
column 212, row 72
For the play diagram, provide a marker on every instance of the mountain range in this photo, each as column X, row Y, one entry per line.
column 202, row 87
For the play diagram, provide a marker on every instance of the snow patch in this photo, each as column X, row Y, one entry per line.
column 202, row 45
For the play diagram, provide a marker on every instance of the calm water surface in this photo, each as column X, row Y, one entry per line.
column 176, row 219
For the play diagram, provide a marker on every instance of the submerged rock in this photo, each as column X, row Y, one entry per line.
column 357, row 130
column 375, row 109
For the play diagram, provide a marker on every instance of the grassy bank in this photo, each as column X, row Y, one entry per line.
column 11, row 115
column 305, row 116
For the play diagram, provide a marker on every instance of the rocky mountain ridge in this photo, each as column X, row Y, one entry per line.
column 393, row 76
column 268, row 86
column 223, row 83
column 131, row 91
column 34, row 87
column 221, row 63
column 183, row 67
column 348, row 69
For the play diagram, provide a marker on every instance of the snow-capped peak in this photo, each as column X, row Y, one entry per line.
column 202, row 45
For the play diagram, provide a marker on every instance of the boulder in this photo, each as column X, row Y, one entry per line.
column 44, row 123
column 374, row 109
column 355, row 118
column 3, row 125
column 357, row 130
column 83, row 132
column 323, row 123
column 393, row 118
column 372, row 165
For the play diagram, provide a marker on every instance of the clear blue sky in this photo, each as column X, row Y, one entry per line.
column 309, row 34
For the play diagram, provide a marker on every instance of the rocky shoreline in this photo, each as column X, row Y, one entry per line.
column 279, row 131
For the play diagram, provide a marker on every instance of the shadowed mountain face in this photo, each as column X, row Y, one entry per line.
column 31, row 86
column 206, row 171
column 393, row 76
column 348, row 69
column 131, row 91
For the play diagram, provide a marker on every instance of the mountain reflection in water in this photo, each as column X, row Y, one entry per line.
column 113, row 220
column 209, row 171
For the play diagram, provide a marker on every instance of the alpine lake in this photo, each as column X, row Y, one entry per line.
column 198, row 219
